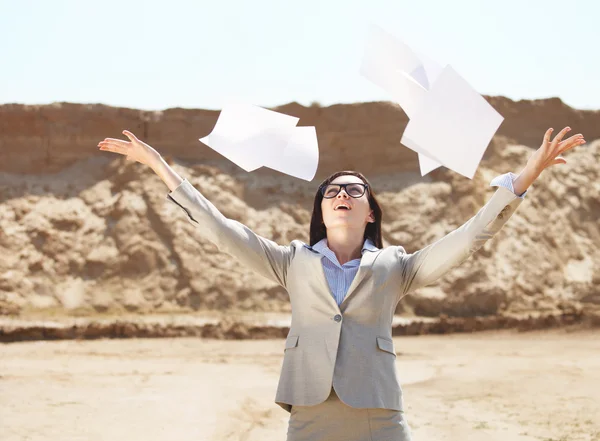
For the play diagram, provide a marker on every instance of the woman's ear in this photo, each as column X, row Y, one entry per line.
column 371, row 218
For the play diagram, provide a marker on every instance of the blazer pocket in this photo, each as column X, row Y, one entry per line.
column 291, row 342
column 386, row 345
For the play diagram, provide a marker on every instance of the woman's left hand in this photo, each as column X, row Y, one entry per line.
column 546, row 156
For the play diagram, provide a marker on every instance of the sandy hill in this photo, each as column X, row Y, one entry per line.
column 86, row 231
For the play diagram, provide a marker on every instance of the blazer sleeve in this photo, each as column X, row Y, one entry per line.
column 430, row 263
column 261, row 255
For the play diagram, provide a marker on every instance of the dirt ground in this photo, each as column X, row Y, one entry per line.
column 486, row 386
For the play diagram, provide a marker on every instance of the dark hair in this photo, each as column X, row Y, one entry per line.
column 318, row 230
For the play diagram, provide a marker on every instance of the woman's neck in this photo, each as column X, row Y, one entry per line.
column 346, row 245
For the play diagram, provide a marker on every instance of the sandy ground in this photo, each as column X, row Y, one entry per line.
column 487, row 386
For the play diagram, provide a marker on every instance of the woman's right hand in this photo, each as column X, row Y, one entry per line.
column 135, row 150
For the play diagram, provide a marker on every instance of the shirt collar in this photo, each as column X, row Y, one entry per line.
column 369, row 246
column 321, row 246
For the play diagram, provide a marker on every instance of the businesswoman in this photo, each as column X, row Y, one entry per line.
column 339, row 379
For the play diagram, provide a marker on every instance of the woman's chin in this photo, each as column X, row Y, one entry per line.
column 341, row 223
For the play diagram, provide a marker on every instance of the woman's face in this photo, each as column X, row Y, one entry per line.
column 346, row 211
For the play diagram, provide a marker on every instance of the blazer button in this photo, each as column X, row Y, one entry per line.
column 337, row 318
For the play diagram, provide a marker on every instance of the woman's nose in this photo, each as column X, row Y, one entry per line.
column 344, row 192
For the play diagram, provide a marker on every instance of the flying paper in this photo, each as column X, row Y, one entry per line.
column 253, row 137
column 449, row 124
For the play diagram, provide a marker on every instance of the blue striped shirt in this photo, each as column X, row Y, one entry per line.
column 340, row 277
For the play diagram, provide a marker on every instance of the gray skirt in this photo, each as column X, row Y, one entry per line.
column 332, row 420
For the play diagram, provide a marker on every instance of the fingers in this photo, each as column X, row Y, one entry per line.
column 560, row 146
column 113, row 149
column 118, row 142
column 571, row 142
column 551, row 150
column 571, row 139
column 130, row 135
column 118, row 145
column 547, row 136
column 558, row 138
column 114, row 145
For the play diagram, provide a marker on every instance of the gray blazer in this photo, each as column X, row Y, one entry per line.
column 350, row 346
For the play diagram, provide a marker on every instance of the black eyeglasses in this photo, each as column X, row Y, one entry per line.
column 353, row 189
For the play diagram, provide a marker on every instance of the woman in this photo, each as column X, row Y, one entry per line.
column 338, row 378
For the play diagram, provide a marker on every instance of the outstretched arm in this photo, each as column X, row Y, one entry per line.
column 427, row 265
column 263, row 256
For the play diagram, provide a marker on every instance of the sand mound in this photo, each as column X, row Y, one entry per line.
column 83, row 231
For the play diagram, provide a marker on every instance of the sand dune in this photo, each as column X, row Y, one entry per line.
column 86, row 232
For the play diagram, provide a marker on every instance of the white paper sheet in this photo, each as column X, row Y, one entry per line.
column 300, row 156
column 388, row 63
column 253, row 137
column 454, row 125
column 410, row 78
column 432, row 69
column 401, row 72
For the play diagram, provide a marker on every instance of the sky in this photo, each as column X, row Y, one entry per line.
column 155, row 55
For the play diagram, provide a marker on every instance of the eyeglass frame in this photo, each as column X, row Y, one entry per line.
column 343, row 186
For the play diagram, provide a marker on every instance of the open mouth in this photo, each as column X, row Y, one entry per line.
column 341, row 207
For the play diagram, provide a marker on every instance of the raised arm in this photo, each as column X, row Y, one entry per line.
column 427, row 265
column 261, row 255
column 430, row 263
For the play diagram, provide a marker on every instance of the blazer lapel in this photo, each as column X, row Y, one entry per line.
column 366, row 265
column 319, row 273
